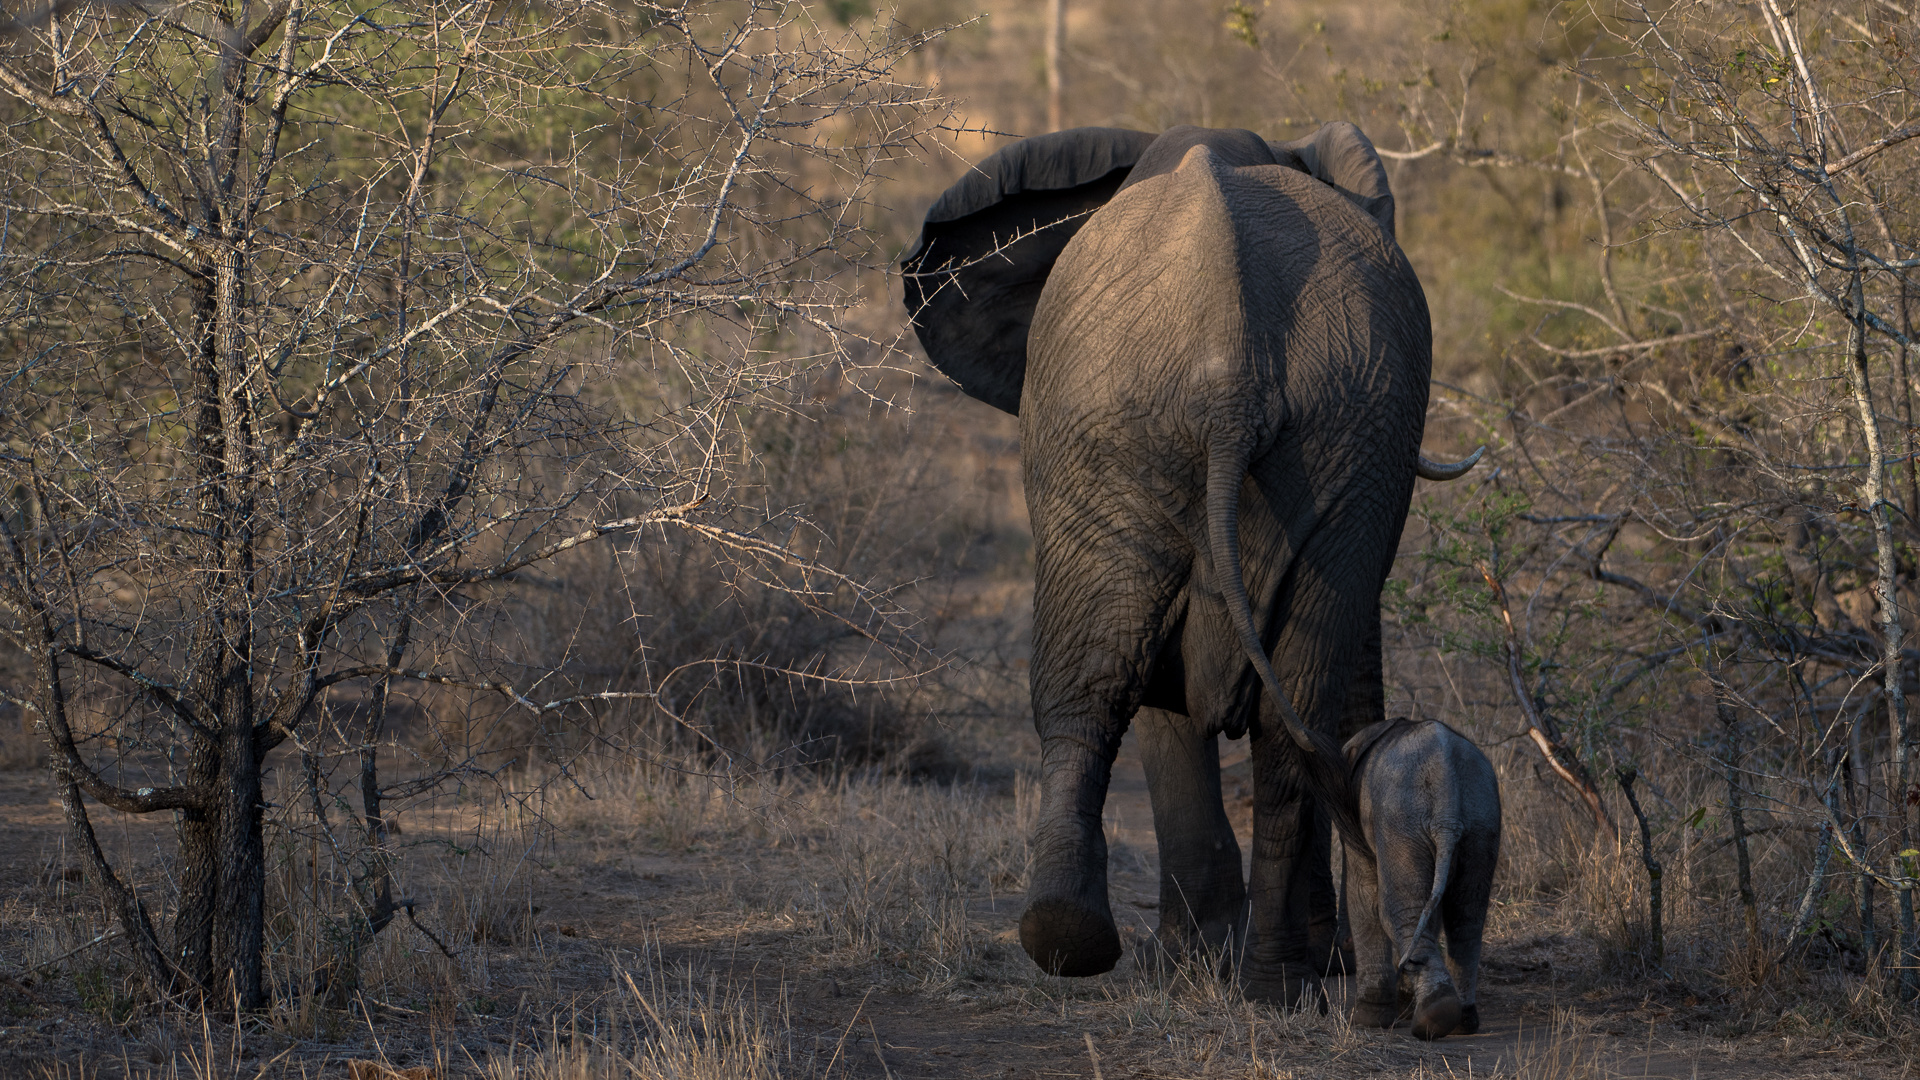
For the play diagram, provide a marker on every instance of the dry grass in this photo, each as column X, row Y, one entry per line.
column 1580, row 903
column 668, row 1025
column 888, row 893
column 866, row 867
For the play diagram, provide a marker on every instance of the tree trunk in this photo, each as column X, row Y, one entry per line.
column 224, row 659
column 1856, row 789
column 1737, row 819
column 239, row 914
column 1056, row 78
column 1656, row 939
column 1892, row 629
column 198, row 832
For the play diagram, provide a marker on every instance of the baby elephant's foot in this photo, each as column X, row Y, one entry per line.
column 1469, row 1021
column 1375, row 1014
column 1438, row 1013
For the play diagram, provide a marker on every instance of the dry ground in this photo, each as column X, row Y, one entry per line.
column 859, row 927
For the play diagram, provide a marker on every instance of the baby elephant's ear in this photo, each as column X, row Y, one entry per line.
column 975, row 275
column 1342, row 157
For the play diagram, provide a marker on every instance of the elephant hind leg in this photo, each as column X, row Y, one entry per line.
column 1406, row 867
column 1203, row 896
column 1376, row 986
column 1463, row 911
column 1437, row 1012
column 1321, row 612
column 1101, row 598
column 1068, row 926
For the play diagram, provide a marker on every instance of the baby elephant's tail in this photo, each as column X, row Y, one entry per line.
column 1444, row 841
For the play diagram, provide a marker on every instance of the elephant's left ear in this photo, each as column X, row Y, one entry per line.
column 1341, row 156
column 974, row 277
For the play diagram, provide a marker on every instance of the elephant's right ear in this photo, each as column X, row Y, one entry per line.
column 974, row 277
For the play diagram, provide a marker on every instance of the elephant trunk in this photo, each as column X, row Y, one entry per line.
column 1321, row 758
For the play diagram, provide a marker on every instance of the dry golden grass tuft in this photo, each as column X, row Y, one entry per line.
column 668, row 1025
column 864, row 867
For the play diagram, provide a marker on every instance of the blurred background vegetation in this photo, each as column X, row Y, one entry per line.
column 1602, row 202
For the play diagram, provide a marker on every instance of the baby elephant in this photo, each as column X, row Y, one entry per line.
column 1430, row 805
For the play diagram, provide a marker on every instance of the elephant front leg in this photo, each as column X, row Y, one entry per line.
column 1068, row 927
column 1203, row 896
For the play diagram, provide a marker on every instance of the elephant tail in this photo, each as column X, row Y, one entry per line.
column 1444, row 843
column 1322, row 760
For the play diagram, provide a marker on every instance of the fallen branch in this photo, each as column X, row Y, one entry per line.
column 43, row 965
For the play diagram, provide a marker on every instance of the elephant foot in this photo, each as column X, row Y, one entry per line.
column 1069, row 939
column 1291, row 990
column 1437, row 1014
column 1469, row 1021
column 1375, row 1014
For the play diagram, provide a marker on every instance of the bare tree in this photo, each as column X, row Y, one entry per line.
column 308, row 302
column 1767, row 134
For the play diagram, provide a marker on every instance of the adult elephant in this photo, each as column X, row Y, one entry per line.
column 1219, row 356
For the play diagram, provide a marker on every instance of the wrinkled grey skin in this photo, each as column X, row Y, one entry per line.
column 1430, row 807
column 1221, row 398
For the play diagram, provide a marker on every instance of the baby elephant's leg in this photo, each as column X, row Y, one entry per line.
column 1464, row 911
column 1376, row 985
column 1406, row 883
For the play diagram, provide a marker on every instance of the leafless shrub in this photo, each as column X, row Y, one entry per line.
column 1703, row 495
column 312, row 304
